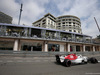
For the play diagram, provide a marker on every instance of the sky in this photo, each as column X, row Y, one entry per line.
column 33, row 10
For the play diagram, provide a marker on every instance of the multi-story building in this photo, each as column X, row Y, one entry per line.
column 66, row 23
column 4, row 18
column 29, row 38
column 69, row 23
column 48, row 21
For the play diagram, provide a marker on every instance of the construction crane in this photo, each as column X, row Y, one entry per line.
column 97, row 24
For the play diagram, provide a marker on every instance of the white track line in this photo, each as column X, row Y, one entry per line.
column 1, row 61
column 28, row 61
column 19, row 61
column 37, row 60
column 9, row 61
column 45, row 60
column 98, row 61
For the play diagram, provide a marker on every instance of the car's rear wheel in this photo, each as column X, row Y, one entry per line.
column 57, row 59
column 67, row 62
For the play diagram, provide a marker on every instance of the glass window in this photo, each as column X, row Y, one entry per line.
column 74, row 30
column 6, row 44
column 69, row 22
column 73, row 22
column 70, row 25
column 59, row 23
column 73, row 19
column 53, row 47
column 63, row 23
column 70, row 30
column 63, row 19
column 31, row 46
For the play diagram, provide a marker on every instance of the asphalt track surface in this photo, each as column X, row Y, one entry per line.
column 29, row 66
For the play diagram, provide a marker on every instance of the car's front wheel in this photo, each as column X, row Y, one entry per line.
column 93, row 60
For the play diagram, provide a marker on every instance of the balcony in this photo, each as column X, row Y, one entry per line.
column 45, row 37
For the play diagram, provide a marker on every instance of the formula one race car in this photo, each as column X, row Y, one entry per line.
column 70, row 59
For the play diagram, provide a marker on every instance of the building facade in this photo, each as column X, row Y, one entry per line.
column 4, row 18
column 29, row 38
column 66, row 23
column 48, row 21
column 69, row 23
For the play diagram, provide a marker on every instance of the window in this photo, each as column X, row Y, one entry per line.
column 74, row 30
column 59, row 23
column 44, row 20
column 63, row 23
column 73, row 23
column 63, row 20
column 69, row 22
column 59, row 20
column 70, row 30
column 43, row 23
column 59, row 26
column 73, row 19
column 48, row 21
column 69, row 25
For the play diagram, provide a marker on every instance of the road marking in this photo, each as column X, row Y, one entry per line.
column 1, row 61
column 28, row 61
column 52, row 60
column 9, row 61
column 46, row 60
column 37, row 60
column 98, row 61
column 19, row 61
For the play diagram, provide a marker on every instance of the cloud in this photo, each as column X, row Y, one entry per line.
column 86, row 10
column 9, row 7
column 64, row 5
column 32, row 10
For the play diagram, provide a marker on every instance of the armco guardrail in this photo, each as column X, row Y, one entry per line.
column 39, row 53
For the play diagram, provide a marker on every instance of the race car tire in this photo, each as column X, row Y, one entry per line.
column 57, row 59
column 83, row 62
column 67, row 62
column 93, row 60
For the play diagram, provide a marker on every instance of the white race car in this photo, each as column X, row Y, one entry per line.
column 70, row 59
